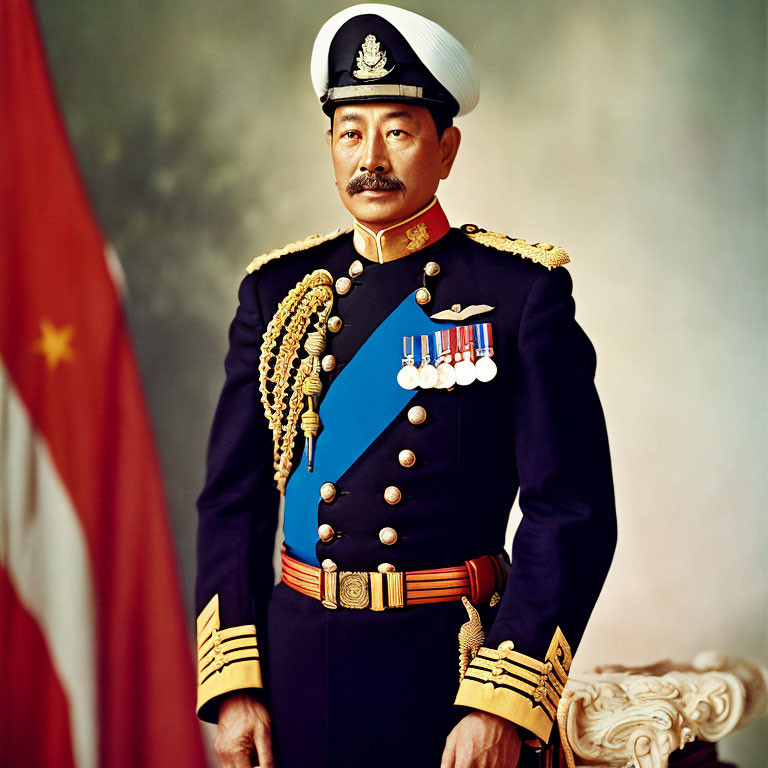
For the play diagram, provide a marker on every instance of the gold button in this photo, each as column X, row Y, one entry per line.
column 423, row 296
column 343, row 284
column 406, row 458
column 432, row 268
column 386, row 568
column 328, row 565
column 507, row 646
column 417, row 415
column 545, row 246
column 327, row 492
column 392, row 494
column 456, row 307
column 328, row 363
column 325, row 532
column 388, row 536
column 334, row 324
column 356, row 268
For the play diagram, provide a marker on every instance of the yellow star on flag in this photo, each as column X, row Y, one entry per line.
column 55, row 343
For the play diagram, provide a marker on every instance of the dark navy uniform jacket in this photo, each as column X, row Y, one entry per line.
column 337, row 681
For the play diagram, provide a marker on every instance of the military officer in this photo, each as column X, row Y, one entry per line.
column 398, row 383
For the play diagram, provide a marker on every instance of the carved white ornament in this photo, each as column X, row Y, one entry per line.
column 636, row 717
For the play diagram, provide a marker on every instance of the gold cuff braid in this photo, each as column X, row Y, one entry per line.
column 517, row 687
column 227, row 659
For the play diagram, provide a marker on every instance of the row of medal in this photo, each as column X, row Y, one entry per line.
column 452, row 356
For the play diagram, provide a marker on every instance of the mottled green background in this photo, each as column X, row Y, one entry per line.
column 633, row 133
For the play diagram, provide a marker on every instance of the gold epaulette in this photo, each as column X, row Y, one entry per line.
column 227, row 659
column 299, row 245
column 518, row 687
column 542, row 253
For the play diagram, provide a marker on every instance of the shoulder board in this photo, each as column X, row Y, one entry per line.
column 542, row 253
column 299, row 245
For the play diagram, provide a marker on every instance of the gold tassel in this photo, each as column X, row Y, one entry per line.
column 471, row 638
column 283, row 375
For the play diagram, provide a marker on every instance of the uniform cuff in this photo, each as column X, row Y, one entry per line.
column 518, row 687
column 227, row 659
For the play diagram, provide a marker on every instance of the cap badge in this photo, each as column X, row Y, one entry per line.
column 371, row 61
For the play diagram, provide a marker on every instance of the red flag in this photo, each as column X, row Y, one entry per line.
column 95, row 661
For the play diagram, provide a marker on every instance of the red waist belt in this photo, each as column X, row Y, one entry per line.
column 379, row 590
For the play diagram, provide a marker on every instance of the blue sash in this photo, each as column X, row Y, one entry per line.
column 363, row 401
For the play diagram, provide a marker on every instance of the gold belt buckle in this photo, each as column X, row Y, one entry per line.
column 353, row 589
column 358, row 589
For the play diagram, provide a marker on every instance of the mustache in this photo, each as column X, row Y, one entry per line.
column 374, row 181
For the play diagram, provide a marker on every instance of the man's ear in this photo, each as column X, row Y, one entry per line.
column 328, row 137
column 449, row 146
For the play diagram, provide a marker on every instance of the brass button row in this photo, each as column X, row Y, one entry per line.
column 343, row 286
column 326, row 533
column 423, row 296
column 329, row 566
column 392, row 494
column 344, row 283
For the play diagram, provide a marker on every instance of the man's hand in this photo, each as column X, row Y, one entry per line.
column 243, row 726
column 482, row 740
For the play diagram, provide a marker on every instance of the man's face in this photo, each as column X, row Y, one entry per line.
column 388, row 159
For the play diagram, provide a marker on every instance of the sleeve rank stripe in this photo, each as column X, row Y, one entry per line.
column 225, row 638
column 533, row 684
column 232, row 655
column 227, row 663
column 546, row 706
column 524, row 673
column 226, row 649
column 512, row 657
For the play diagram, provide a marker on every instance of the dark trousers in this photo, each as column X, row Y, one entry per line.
column 360, row 689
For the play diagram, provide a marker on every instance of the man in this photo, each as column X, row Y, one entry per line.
column 399, row 383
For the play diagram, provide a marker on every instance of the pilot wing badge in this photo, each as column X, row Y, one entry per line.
column 371, row 61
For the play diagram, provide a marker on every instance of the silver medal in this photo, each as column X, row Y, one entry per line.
column 427, row 376
column 408, row 376
column 485, row 368
column 446, row 376
column 465, row 372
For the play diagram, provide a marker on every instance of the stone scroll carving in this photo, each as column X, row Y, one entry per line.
column 636, row 717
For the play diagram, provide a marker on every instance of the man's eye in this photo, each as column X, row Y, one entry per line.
column 349, row 135
column 396, row 132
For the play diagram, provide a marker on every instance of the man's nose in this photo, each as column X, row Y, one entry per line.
column 374, row 158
